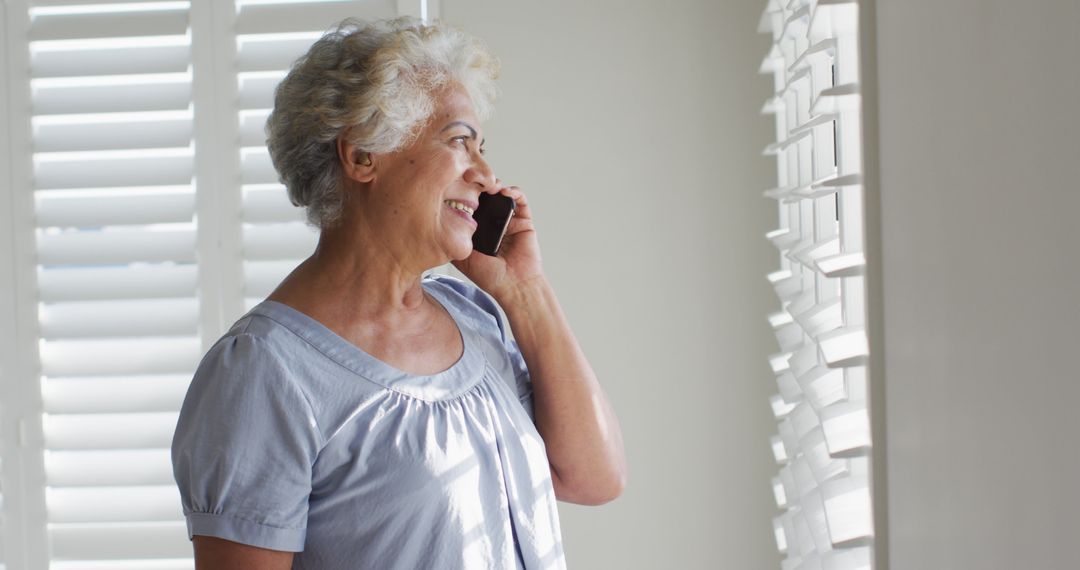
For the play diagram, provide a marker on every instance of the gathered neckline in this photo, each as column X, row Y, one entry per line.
column 456, row 380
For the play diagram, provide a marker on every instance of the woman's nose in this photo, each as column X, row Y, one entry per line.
column 480, row 173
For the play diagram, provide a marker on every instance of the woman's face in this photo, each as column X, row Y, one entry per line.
column 422, row 188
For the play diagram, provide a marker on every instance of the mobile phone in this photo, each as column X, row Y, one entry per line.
column 492, row 218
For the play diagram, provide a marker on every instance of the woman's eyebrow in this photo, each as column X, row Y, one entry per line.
column 472, row 131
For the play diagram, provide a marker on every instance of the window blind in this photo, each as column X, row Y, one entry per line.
column 822, row 489
column 146, row 217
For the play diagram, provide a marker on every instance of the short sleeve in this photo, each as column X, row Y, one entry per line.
column 244, row 448
column 478, row 297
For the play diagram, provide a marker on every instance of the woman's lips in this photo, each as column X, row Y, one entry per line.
column 462, row 214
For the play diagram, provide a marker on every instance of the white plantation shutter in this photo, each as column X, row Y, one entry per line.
column 144, row 218
column 823, row 442
column 114, row 212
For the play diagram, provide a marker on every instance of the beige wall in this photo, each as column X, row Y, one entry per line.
column 979, row 212
column 634, row 129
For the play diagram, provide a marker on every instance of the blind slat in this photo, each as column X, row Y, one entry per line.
column 256, row 167
column 252, row 124
column 121, row 131
column 170, row 168
column 158, row 503
column 110, row 25
column 257, row 89
column 267, row 242
column 114, row 394
column 109, row 431
column 119, row 541
column 848, row 264
column 149, row 564
column 166, row 355
column 97, row 211
column 109, row 468
column 172, row 57
column 271, row 52
column 836, row 99
column 822, row 386
column 165, row 94
column 261, row 277
column 124, row 282
column 120, row 318
column 116, row 247
column 269, row 204
column 307, row 16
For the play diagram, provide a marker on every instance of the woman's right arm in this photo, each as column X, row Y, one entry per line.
column 213, row 553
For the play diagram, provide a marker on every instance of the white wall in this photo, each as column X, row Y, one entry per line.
column 979, row 209
column 633, row 127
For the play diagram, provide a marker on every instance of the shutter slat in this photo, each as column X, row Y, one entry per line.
column 252, row 125
column 307, row 16
column 83, row 2
column 166, row 355
column 269, row 242
column 846, row 427
column 849, row 264
column 119, row 541
column 269, row 204
column 257, row 89
column 170, row 129
column 271, row 52
column 780, row 408
column 112, row 247
column 110, row 24
column 97, row 211
column 169, row 167
column 116, row 394
column 836, row 99
column 109, row 431
column 154, row 564
column 159, row 503
column 132, row 282
column 120, row 318
column 822, row 386
column 261, row 277
column 256, row 167
column 169, row 93
column 844, row 347
column 847, row 508
column 109, row 468
column 173, row 55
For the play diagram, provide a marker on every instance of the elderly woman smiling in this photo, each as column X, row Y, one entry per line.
column 366, row 415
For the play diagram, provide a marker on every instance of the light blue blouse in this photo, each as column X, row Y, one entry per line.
column 292, row 438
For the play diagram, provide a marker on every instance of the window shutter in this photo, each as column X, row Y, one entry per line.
column 117, row 273
column 823, row 442
column 146, row 217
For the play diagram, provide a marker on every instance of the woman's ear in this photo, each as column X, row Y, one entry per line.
column 356, row 163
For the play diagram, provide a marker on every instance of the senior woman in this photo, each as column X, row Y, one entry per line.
column 366, row 415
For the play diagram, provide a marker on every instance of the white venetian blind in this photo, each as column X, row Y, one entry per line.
column 154, row 219
column 823, row 485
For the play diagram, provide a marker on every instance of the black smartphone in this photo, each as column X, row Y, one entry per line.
column 492, row 218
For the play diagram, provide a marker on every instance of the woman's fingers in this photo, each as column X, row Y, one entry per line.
column 520, row 201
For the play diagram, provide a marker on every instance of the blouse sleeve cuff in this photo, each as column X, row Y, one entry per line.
column 245, row 532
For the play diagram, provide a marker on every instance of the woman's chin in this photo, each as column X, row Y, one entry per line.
column 461, row 251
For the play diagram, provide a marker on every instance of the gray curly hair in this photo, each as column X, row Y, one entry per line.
column 376, row 79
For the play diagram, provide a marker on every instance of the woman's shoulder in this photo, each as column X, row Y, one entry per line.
column 463, row 292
